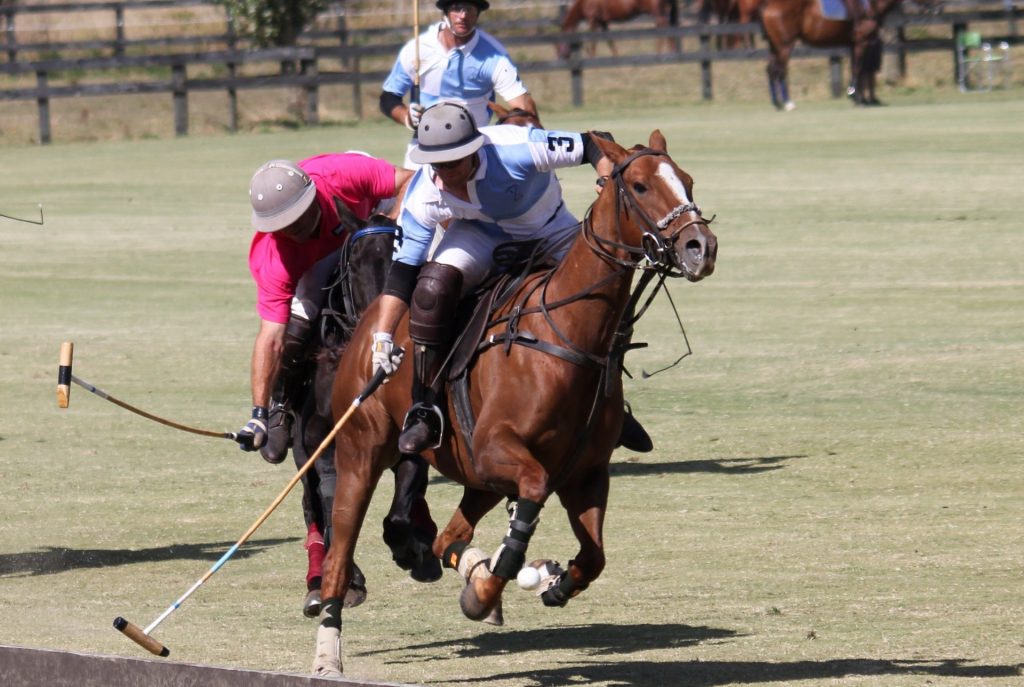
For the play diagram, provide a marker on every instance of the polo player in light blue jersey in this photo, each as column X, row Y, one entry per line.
column 489, row 186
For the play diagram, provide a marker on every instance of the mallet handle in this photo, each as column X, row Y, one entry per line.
column 67, row 350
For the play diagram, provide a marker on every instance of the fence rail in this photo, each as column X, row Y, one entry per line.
column 302, row 67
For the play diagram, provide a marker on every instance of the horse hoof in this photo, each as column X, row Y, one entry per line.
column 355, row 596
column 311, row 606
column 327, row 672
column 427, row 571
column 471, row 606
column 496, row 617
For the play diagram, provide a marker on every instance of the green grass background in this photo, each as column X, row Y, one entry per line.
column 837, row 491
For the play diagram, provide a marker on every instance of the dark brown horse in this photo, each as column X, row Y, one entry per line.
column 598, row 14
column 731, row 12
column 787, row 21
column 541, row 407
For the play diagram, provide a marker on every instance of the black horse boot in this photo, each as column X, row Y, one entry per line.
column 292, row 379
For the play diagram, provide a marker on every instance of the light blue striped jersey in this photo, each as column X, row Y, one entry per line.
column 514, row 193
column 470, row 74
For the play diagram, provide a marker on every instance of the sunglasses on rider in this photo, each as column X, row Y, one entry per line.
column 447, row 165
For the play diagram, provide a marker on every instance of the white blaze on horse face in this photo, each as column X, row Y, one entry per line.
column 666, row 172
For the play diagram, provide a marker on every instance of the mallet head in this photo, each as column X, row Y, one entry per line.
column 138, row 635
column 67, row 350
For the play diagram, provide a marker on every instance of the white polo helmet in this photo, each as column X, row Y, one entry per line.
column 446, row 132
column 279, row 192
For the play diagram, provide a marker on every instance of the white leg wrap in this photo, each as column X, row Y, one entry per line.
column 468, row 565
column 327, row 660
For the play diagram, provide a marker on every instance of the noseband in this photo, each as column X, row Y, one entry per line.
column 656, row 252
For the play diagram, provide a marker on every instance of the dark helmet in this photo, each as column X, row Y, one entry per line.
column 480, row 4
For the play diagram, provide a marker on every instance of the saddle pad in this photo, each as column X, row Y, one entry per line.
column 836, row 9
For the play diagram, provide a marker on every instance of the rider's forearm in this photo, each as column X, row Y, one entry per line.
column 266, row 360
column 390, row 313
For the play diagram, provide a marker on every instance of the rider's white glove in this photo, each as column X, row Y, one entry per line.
column 386, row 356
column 412, row 115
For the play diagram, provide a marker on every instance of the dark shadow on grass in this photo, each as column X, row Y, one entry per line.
column 592, row 640
column 726, row 466
column 50, row 560
column 714, row 673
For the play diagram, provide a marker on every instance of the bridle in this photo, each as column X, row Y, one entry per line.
column 656, row 252
column 345, row 315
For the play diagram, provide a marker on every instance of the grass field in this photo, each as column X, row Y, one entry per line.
column 837, row 491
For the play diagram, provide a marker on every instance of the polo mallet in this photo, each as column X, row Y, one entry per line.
column 26, row 221
column 414, row 93
column 64, row 379
column 142, row 636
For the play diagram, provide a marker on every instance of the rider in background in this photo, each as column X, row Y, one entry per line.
column 457, row 62
column 488, row 186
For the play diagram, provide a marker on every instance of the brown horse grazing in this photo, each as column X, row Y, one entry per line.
column 599, row 13
column 540, row 409
column 787, row 21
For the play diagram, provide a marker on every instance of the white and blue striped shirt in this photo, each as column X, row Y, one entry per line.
column 469, row 74
column 513, row 195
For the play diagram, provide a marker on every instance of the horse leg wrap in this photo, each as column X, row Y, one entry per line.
column 511, row 555
column 453, row 554
column 559, row 594
column 327, row 659
column 315, row 552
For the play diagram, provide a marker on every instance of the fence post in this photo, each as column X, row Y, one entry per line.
column 835, row 69
column 357, row 87
column 119, row 24
column 576, row 73
column 12, row 53
column 232, row 98
column 43, row 101
column 901, row 51
column 705, row 68
column 312, row 88
column 958, row 29
column 180, row 95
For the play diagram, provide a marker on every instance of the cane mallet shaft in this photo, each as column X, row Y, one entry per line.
column 143, row 637
column 65, row 377
column 414, row 94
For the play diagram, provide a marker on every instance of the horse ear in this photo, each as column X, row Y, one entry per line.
column 612, row 150
column 498, row 110
column 657, row 141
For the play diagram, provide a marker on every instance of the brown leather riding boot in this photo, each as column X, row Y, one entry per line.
column 292, row 379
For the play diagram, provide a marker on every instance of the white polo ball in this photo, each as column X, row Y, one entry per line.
column 528, row 578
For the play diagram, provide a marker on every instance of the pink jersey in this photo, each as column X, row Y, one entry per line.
column 277, row 263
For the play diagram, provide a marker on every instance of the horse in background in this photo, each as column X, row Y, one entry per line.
column 787, row 21
column 534, row 397
column 598, row 14
column 731, row 12
column 408, row 529
column 517, row 116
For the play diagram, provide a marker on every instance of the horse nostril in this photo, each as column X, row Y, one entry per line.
column 695, row 250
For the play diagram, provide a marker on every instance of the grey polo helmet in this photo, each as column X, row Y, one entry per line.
column 446, row 133
column 279, row 192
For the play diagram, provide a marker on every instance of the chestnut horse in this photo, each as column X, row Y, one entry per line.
column 787, row 21
column 541, row 407
column 599, row 13
column 517, row 116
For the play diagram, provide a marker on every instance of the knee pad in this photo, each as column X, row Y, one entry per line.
column 433, row 303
